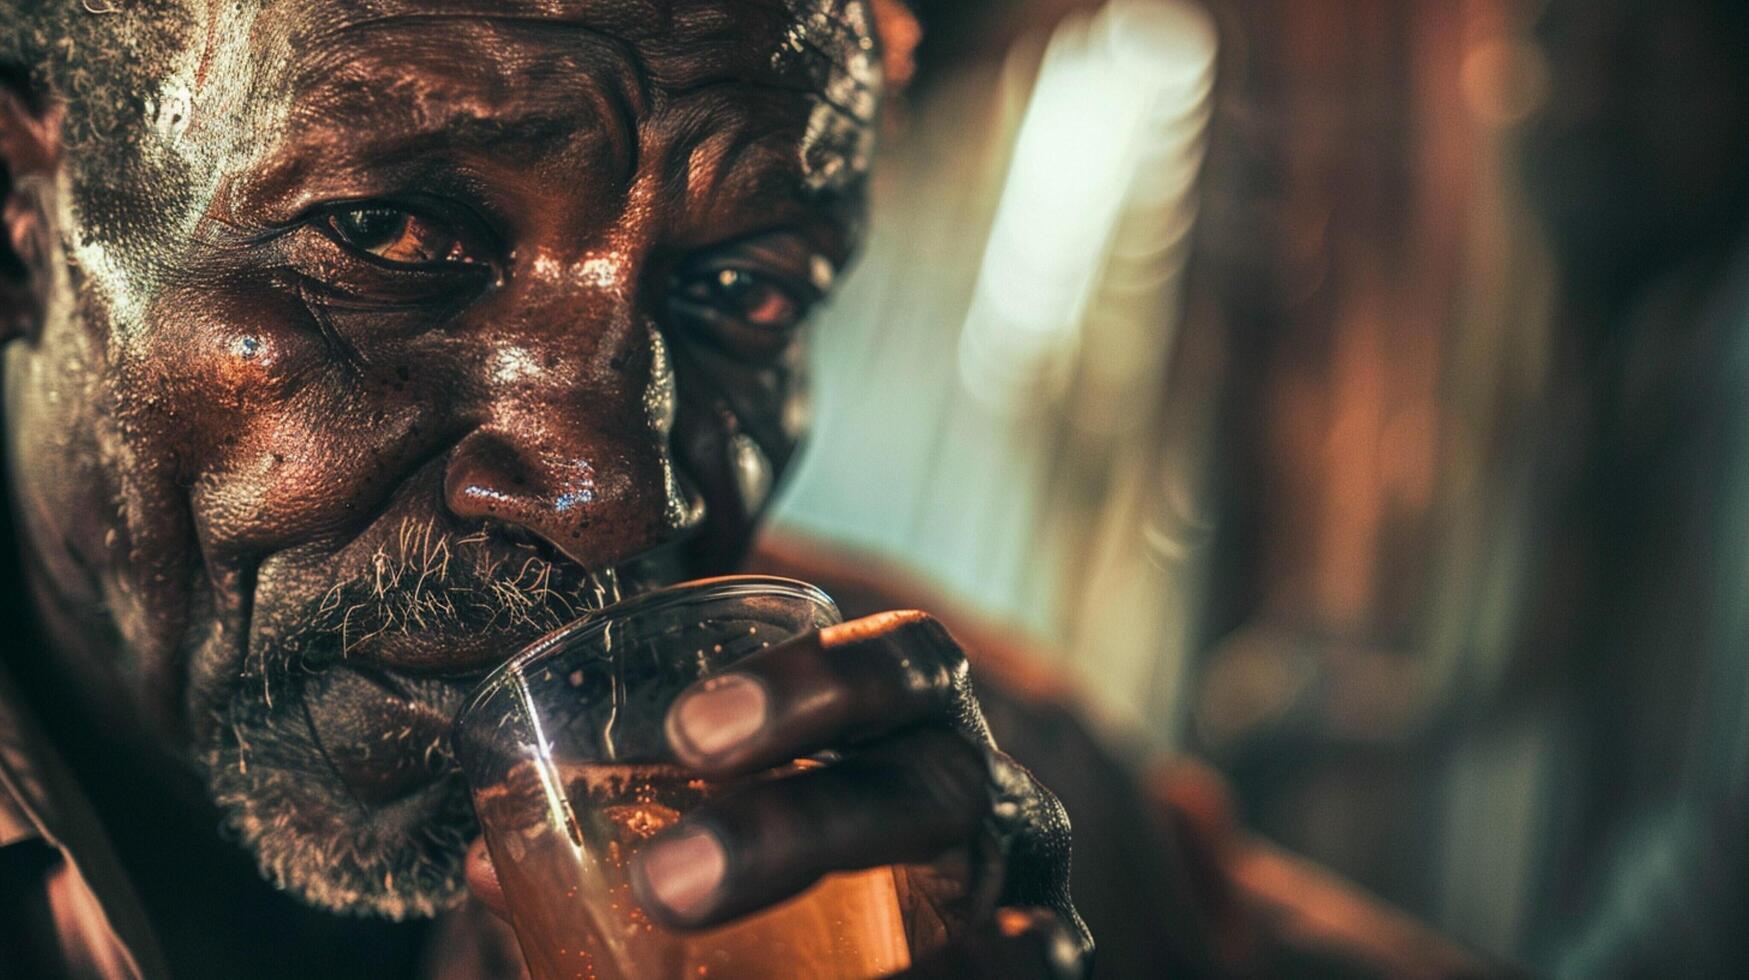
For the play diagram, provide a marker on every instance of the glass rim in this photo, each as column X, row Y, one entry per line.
column 678, row 594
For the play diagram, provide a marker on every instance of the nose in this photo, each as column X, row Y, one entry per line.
column 584, row 466
column 597, row 499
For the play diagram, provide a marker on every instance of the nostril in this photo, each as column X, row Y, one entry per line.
column 540, row 485
column 499, row 534
column 491, row 485
column 516, row 534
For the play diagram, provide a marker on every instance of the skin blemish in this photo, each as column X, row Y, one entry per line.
column 512, row 364
column 171, row 112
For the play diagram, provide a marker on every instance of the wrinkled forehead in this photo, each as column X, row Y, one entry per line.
column 824, row 46
column 495, row 69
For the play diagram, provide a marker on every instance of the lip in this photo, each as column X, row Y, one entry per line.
column 447, row 653
column 384, row 715
column 468, row 652
column 386, row 737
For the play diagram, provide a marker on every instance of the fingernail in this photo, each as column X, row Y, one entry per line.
column 718, row 716
column 682, row 873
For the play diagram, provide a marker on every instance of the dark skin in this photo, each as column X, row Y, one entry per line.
column 497, row 297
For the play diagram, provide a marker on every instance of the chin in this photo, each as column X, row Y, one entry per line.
column 312, row 834
column 327, row 747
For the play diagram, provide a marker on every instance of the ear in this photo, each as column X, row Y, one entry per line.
column 30, row 155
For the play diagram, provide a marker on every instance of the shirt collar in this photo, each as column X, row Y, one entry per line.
column 25, row 811
column 41, row 802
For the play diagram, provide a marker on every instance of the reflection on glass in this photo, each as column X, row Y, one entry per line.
column 571, row 774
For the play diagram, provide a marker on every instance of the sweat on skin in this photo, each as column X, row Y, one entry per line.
column 378, row 337
column 274, row 434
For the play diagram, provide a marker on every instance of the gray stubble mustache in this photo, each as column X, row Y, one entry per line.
column 429, row 578
column 424, row 577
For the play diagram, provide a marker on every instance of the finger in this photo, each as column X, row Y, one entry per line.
column 1018, row 944
column 482, row 878
column 905, row 801
column 839, row 686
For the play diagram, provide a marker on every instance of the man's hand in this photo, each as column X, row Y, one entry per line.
column 916, row 779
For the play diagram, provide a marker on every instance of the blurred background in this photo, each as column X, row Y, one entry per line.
column 1348, row 392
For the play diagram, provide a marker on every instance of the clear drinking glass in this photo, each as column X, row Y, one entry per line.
column 563, row 748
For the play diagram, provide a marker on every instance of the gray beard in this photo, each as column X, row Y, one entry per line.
column 283, row 802
column 279, row 793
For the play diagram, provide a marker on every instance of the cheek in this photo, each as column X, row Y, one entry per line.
column 739, row 427
column 276, row 438
column 753, row 472
column 202, row 385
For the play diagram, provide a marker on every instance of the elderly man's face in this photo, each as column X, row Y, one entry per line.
column 437, row 323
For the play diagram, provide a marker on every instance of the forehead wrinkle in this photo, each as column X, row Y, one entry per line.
column 657, row 66
column 514, row 90
column 724, row 87
column 534, row 134
column 675, row 45
column 619, row 45
column 715, row 141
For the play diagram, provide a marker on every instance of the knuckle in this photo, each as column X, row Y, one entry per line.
column 1057, row 812
column 923, row 646
column 928, row 644
column 922, row 662
column 1035, row 815
column 1012, row 779
column 1051, row 823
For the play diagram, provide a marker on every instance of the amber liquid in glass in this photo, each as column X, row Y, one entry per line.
column 571, row 900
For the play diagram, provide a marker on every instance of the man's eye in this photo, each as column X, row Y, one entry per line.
column 398, row 236
column 747, row 297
